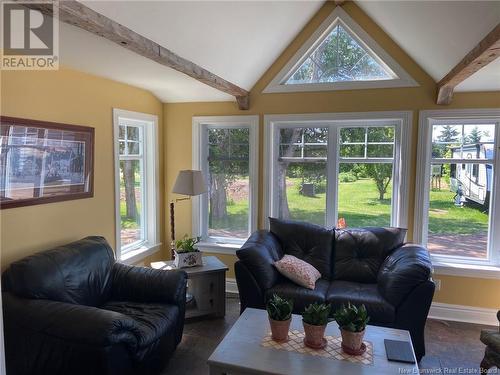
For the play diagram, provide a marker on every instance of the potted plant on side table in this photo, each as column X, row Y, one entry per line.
column 279, row 311
column 315, row 318
column 352, row 322
column 186, row 254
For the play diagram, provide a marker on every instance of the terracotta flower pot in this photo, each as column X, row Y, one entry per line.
column 352, row 341
column 314, row 336
column 279, row 329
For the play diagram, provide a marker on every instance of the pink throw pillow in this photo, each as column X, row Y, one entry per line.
column 298, row 271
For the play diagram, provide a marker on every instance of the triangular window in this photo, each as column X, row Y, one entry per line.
column 339, row 58
column 340, row 55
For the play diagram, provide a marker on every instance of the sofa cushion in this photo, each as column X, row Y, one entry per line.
column 379, row 310
column 298, row 271
column 359, row 252
column 301, row 296
column 152, row 320
column 309, row 242
column 79, row 272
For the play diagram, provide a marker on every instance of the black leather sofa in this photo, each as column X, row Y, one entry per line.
column 370, row 266
column 74, row 310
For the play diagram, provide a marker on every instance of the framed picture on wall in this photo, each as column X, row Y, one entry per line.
column 44, row 162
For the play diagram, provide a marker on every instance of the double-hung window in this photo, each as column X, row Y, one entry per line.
column 225, row 149
column 338, row 169
column 136, row 179
column 457, row 208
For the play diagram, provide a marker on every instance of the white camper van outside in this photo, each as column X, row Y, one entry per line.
column 475, row 180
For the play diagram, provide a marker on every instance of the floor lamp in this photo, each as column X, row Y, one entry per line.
column 190, row 183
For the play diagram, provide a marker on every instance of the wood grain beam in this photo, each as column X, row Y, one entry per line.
column 339, row 2
column 481, row 55
column 79, row 15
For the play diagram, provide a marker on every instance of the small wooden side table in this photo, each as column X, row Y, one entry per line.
column 207, row 285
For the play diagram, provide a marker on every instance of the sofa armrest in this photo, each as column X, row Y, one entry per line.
column 148, row 285
column 402, row 271
column 81, row 324
column 258, row 254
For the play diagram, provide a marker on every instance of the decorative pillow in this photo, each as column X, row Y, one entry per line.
column 298, row 271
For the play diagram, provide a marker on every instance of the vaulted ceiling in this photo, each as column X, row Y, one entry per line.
column 240, row 40
column 235, row 40
column 438, row 34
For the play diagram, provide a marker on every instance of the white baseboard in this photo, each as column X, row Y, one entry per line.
column 440, row 311
column 231, row 286
column 467, row 314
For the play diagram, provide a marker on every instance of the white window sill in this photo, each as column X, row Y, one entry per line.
column 466, row 270
column 218, row 248
column 134, row 256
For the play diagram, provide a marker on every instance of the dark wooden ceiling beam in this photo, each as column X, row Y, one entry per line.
column 481, row 55
column 79, row 15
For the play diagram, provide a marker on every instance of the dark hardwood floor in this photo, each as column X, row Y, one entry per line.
column 452, row 348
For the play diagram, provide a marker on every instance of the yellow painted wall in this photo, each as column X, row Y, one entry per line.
column 178, row 118
column 73, row 97
column 70, row 97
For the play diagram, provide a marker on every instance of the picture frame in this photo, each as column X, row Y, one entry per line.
column 44, row 162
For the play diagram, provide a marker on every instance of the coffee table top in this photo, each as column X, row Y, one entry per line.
column 241, row 351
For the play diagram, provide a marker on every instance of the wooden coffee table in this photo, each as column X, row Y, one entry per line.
column 241, row 352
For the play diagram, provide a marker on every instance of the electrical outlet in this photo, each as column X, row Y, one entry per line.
column 437, row 282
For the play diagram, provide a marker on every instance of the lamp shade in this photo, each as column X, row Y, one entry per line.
column 189, row 182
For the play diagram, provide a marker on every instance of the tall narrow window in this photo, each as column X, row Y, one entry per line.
column 131, row 148
column 136, row 179
column 366, row 175
column 226, row 151
column 458, row 188
column 228, row 182
column 338, row 170
column 301, row 174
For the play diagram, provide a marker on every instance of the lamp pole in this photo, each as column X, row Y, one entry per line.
column 172, row 224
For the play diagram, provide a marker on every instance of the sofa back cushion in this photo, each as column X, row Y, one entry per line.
column 79, row 273
column 309, row 242
column 359, row 252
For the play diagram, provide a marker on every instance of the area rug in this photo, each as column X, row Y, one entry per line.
column 333, row 349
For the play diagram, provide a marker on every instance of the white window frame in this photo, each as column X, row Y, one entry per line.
column 335, row 121
column 150, row 181
column 401, row 77
column 455, row 265
column 200, row 155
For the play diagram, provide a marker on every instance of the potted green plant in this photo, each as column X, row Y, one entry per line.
column 186, row 254
column 352, row 322
column 279, row 311
column 315, row 318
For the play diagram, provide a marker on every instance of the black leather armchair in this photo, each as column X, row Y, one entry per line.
column 370, row 266
column 74, row 310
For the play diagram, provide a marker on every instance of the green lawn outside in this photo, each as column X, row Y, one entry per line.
column 445, row 217
column 126, row 222
column 237, row 218
column 360, row 206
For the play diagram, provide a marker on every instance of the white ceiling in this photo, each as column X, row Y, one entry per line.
column 239, row 40
column 438, row 34
column 236, row 40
